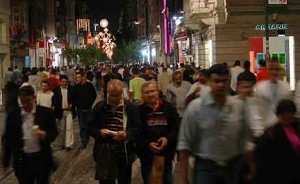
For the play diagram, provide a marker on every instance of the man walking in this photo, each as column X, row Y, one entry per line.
column 27, row 137
column 135, row 85
column 85, row 95
column 65, row 110
column 158, row 134
column 214, row 131
column 116, row 122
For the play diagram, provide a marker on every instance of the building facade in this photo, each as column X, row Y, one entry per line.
column 4, row 39
column 228, row 30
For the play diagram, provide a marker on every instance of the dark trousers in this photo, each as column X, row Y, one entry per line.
column 125, row 171
column 208, row 172
column 32, row 169
column 146, row 165
column 83, row 116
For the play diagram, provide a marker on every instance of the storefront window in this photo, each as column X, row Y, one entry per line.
column 1, row 66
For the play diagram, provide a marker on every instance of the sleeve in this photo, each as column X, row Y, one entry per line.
column 52, row 131
column 93, row 124
column 187, row 128
column 135, row 123
column 130, row 86
column 191, row 90
column 6, row 148
column 173, row 121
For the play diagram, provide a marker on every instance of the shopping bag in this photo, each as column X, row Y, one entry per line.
column 157, row 170
column 106, row 162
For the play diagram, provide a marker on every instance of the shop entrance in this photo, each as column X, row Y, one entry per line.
column 281, row 48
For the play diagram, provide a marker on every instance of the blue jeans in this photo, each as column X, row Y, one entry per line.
column 208, row 172
column 83, row 116
column 146, row 164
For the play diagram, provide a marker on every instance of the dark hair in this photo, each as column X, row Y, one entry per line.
column 246, row 76
column 26, row 91
column 218, row 69
column 204, row 72
column 135, row 71
column 286, row 106
column 262, row 62
column 247, row 65
column 25, row 78
column 45, row 82
column 34, row 71
column 63, row 77
column 237, row 63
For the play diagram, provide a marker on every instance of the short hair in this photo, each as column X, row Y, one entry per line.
column 148, row 83
column 237, row 63
column 26, row 91
column 247, row 65
column 79, row 73
column 115, row 82
column 204, row 72
column 262, row 62
column 286, row 106
column 218, row 69
column 63, row 77
column 135, row 71
column 45, row 82
column 247, row 77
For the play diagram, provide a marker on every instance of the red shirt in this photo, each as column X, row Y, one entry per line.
column 262, row 74
column 53, row 82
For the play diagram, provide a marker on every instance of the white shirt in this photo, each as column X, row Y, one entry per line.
column 234, row 72
column 64, row 94
column 44, row 99
column 31, row 143
column 204, row 89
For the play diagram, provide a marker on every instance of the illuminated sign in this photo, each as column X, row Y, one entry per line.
column 103, row 23
column 262, row 27
column 277, row 1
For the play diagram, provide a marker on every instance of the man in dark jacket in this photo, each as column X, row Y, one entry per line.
column 160, row 123
column 27, row 137
column 65, row 110
column 115, row 122
column 85, row 94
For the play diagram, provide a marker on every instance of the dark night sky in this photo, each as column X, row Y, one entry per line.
column 108, row 9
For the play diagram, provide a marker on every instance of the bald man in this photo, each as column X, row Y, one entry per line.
column 116, row 122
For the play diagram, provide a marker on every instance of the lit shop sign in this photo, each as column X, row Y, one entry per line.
column 262, row 27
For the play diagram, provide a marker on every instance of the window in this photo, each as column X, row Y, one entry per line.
column 1, row 65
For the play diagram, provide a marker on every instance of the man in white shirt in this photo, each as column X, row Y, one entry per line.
column 45, row 96
column 234, row 73
column 177, row 92
column 65, row 110
column 163, row 81
column 199, row 88
column 270, row 92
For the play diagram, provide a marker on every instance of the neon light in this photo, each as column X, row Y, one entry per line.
column 292, row 62
column 165, row 26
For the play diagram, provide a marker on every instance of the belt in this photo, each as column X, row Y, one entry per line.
column 31, row 155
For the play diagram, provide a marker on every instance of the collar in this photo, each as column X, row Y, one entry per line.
column 121, row 104
column 208, row 99
column 158, row 106
column 23, row 112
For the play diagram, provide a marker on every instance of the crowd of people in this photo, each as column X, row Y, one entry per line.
column 229, row 125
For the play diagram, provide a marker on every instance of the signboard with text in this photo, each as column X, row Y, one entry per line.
column 277, row 1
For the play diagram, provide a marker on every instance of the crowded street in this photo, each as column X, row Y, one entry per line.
column 149, row 92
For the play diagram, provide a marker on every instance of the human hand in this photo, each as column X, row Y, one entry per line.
column 154, row 147
column 120, row 136
column 104, row 132
column 162, row 142
column 197, row 90
column 39, row 133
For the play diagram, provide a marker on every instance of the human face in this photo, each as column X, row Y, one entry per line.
column 274, row 69
column 79, row 78
column 64, row 83
column 44, row 87
column 115, row 94
column 202, row 78
column 245, row 88
column 27, row 102
column 218, row 84
column 107, row 69
column 150, row 94
column 178, row 79
column 286, row 117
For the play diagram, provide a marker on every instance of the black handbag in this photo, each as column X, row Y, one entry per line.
column 106, row 162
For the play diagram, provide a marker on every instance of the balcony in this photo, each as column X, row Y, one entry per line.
column 208, row 11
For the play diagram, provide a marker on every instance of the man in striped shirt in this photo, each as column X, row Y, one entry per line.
column 116, row 122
